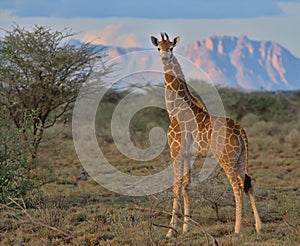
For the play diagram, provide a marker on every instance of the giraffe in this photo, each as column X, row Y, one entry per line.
column 193, row 132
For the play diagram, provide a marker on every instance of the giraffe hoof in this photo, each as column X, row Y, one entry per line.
column 259, row 227
column 237, row 230
column 186, row 228
column 171, row 233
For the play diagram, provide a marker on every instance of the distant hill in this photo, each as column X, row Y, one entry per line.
column 239, row 61
column 232, row 61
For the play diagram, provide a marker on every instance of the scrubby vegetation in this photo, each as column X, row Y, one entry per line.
column 48, row 199
column 15, row 177
column 68, row 210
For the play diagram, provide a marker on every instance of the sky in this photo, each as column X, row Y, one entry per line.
column 130, row 23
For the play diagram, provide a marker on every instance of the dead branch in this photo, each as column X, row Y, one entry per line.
column 23, row 208
column 207, row 235
column 288, row 223
column 215, row 242
column 167, row 227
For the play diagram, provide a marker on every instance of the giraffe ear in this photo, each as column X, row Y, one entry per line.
column 154, row 41
column 176, row 41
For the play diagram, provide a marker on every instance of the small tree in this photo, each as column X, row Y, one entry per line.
column 41, row 75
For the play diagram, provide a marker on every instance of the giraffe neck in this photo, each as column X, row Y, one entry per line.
column 176, row 86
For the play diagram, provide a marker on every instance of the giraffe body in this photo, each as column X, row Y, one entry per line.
column 193, row 132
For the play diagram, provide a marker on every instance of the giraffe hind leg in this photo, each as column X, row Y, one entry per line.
column 238, row 195
column 248, row 188
column 234, row 181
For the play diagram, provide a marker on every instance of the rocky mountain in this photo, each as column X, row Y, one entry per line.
column 225, row 60
column 239, row 61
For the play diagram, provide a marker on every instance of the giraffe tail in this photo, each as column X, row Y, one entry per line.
column 247, row 180
column 247, row 183
column 245, row 140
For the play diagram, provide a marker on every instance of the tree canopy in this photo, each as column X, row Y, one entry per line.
column 41, row 74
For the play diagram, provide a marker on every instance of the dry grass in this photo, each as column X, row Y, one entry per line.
column 88, row 214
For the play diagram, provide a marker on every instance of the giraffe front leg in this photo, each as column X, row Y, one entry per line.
column 174, row 221
column 177, row 182
column 186, row 183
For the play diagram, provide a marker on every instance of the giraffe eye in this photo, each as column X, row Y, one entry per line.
column 171, row 49
column 158, row 49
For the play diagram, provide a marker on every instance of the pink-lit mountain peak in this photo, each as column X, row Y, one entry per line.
column 241, row 61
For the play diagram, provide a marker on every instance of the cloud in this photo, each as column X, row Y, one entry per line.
column 112, row 35
column 109, row 31
column 188, row 9
column 128, row 40
column 104, row 36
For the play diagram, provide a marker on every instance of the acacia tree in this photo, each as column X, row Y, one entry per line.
column 41, row 75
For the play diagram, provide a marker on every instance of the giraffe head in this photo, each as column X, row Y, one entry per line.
column 165, row 46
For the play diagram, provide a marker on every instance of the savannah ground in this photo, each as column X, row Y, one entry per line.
column 67, row 211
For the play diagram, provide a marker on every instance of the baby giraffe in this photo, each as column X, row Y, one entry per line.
column 193, row 132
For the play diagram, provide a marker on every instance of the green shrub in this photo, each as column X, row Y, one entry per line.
column 268, row 106
column 15, row 170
